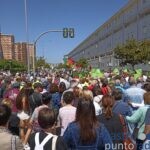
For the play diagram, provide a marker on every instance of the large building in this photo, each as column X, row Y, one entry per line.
column 32, row 54
column 1, row 52
column 7, row 45
column 131, row 21
column 20, row 51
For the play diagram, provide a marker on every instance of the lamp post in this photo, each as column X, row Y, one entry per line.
column 27, row 39
column 66, row 32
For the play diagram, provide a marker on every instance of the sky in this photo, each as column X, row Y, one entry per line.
column 85, row 16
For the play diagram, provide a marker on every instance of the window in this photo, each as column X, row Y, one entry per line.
column 144, row 29
column 145, row 1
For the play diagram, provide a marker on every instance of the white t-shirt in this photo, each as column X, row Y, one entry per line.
column 66, row 116
column 98, row 109
column 98, row 98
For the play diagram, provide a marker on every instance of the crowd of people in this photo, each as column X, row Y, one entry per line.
column 58, row 112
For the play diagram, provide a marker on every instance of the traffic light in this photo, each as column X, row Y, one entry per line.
column 68, row 32
column 71, row 32
column 65, row 32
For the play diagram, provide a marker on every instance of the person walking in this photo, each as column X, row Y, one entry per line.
column 86, row 132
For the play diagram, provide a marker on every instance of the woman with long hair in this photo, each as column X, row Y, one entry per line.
column 86, row 131
column 111, row 120
column 22, row 104
column 22, row 100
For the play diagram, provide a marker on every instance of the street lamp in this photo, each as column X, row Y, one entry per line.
column 65, row 31
column 27, row 39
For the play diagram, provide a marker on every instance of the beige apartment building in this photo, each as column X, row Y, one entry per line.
column 20, row 50
column 31, row 52
column 131, row 21
column 7, row 45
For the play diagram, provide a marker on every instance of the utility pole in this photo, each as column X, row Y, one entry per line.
column 27, row 38
column 1, row 51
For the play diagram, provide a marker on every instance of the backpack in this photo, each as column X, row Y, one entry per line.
column 40, row 146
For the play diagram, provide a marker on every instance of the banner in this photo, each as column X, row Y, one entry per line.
column 96, row 73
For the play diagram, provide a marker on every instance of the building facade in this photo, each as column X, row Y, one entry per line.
column 20, row 50
column 131, row 21
column 7, row 45
column 31, row 51
column 1, row 52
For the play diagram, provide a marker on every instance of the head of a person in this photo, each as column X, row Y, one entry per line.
column 107, row 104
column 139, row 80
column 117, row 94
column 117, row 82
column 87, row 94
column 46, row 118
column 49, row 79
column 54, row 88
column 62, row 87
column 104, row 82
column 85, row 116
column 46, row 98
column 76, row 91
column 96, row 91
column 5, row 113
column 147, row 98
column 38, row 87
column 16, row 85
column 8, row 102
column 7, row 82
column 146, row 87
column 45, row 84
column 23, row 95
column 68, row 97
column 29, row 84
column 132, row 81
column 73, row 83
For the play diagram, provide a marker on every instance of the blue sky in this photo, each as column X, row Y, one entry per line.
column 85, row 16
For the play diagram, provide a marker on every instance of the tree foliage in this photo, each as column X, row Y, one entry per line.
column 82, row 62
column 12, row 65
column 133, row 52
column 41, row 62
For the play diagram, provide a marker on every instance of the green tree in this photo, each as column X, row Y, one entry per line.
column 82, row 62
column 41, row 62
column 133, row 52
column 61, row 65
column 12, row 65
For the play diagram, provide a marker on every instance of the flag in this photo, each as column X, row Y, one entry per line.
column 116, row 71
column 96, row 73
column 138, row 73
column 70, row 61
